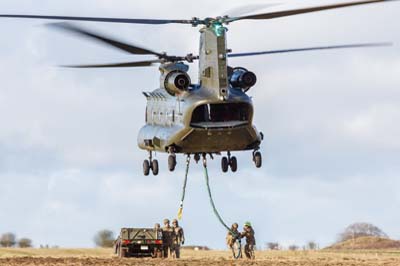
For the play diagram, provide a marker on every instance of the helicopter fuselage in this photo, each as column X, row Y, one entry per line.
column 196, row 122
column 212, row 117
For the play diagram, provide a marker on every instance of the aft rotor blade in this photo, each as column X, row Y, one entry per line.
column 98, row 19
column 242, row 10
column 286, row 13
column 117, row 65
column 132, row 49
column 363, row 45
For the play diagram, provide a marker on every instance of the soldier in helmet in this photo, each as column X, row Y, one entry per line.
column 168, row 235
column 179, row 238
column 248, row 233
column 231, row 237
column 158, row 253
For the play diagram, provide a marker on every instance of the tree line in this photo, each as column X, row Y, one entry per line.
column 9, row 240
column 353, row 231
column 105, row 238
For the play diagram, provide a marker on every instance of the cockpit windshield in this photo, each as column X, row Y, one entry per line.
column 225, row 112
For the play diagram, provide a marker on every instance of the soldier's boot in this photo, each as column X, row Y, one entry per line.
column 247, row 251
column 165, row 253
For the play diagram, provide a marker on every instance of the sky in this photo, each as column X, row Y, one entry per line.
column 70, row 165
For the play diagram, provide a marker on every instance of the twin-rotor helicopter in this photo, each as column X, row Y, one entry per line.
column 212, row 116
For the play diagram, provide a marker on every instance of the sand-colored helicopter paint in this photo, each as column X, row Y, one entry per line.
column 168, row 118
column 216, row 114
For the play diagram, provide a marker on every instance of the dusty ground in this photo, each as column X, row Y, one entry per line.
column 80, row 257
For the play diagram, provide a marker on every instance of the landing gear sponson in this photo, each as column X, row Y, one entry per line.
column 226, row 162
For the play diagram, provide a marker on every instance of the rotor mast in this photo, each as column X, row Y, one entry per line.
column 213, row 68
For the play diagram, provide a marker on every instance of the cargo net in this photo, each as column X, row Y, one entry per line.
column 235, row 243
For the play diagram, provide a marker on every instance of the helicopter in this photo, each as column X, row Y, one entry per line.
column 212, row 116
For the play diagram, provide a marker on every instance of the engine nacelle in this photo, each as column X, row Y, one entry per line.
column 174, row 78
column 242, row 78
column 177, row 82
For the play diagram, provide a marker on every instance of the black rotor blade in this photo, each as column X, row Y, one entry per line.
column 117, row 65
column 97, row 19
column 286, row 13
column 362, row 45
column 132, row 49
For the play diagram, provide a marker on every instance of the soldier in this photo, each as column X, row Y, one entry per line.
column 248, row 233
column 158, row 231
column 179, row 238
column 158, row 253
column 168, row 235
column 231, row 237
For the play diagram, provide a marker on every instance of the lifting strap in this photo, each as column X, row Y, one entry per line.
column 180, row 211
column 236, row 253
column 237, row 249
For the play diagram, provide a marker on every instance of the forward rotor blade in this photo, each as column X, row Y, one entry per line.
column 97, row 19
column 132, row 49
column 118, row 65
column 286, row 13
column 363, row 45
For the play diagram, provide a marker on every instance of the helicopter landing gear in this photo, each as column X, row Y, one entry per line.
column 150, row 164
column 233, row 164
column 171, row 162
column 154, row 167
column 257, row 159
column 171, row 159
column 227, row 162
column 197, row 157
column 224, row 164
column 146, row 167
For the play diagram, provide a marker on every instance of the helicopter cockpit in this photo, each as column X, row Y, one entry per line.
column 221, row 115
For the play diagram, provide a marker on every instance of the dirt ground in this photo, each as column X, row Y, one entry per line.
column 81, row 257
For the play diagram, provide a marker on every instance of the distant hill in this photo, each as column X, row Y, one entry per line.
column 367, row 243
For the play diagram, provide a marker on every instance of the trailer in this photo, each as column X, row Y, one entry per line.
column 139, row 242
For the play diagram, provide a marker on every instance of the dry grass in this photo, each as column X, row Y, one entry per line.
column 56, row 253
column 64, row 257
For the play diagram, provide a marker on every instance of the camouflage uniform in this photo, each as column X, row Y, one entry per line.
column 168, row 235
column 231, row 237
column 179, row 239
column 248, row 233
column 158, row 253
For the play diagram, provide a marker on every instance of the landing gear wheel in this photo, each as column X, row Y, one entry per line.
column 154, row 167
column 197, row 157
column 233, row 164
column 146, row 167
column 257, row 159
column 171, row 162
column 224, row 164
